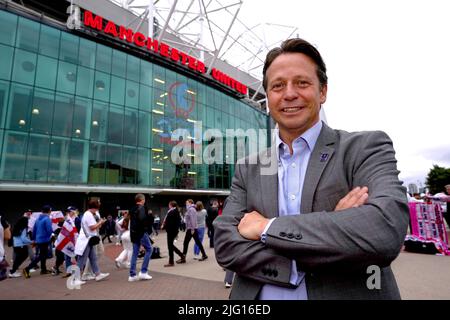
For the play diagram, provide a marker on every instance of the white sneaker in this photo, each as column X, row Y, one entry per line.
column 227, row 285
column 14, row 275
column 133, row 278
column 78, row 283
column 101, row 276
column 87, row 277
column 32, row 270
column 144, row 276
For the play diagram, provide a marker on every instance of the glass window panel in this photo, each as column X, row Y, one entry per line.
column 18, row 115
column 6, row 54
column 113, row 164
column 37, row 158
column 132, row 94
column 117, row 90
column 14, row 156
column 101, row 86
column 85, row 82
column 159, row 78
column 146, row 73
column 86, row 55
column 144, row 165
column 145, row 131
column 145, row 98
column 99, row 121
column 49, row 41
column 119, row 63
column 210, row 118
column 69, row 48
column 1, row 148
column 46, row 72
column 218, row 124
column 115, row 125
column 97, row 156
column 170, row 178
column 159, row 100
column 129, row 168
column 24, row 66
column 133, row 68
column 130, row 127
column 201, row 96
column 103, row 58
column 8, row 25
column 42, row 111
column 58, row 163
column 27, row 35
column 4, row 91
column 63, row 115
column 78, row 161
column 81, row 118
column 156, row 130
column 67, row 76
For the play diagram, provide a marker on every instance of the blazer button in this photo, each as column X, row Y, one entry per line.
column 298, row 236
column 282, row 234
column 290, row 235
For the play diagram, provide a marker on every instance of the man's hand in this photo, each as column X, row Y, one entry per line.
column 353, row 199
column 252, row 225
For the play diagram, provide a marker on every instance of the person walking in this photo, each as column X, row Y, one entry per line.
column 171, row 224
column 124, row 258
column 191, row 231
column 201, row 216
column 140, row 229
column 88, row 239
column 42, row 234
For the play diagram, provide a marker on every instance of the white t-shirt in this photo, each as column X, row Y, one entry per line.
column 87, row 221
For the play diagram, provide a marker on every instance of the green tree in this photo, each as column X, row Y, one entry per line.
column 437, row 178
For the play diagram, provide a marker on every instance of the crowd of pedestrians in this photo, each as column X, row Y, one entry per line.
column 76, row 239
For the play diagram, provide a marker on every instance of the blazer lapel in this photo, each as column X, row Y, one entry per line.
column 320, row 157
column 269, row 188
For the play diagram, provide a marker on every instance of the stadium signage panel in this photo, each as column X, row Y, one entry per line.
column 158, row 47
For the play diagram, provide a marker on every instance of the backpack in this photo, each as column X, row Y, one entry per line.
column 156, row 253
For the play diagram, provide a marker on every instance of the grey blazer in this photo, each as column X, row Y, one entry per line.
column 334, row 249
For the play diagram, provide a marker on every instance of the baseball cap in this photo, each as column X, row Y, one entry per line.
column 71, row 208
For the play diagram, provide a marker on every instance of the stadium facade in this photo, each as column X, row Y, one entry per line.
column 88, row 105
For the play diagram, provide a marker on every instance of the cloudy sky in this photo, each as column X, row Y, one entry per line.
column 388, row 66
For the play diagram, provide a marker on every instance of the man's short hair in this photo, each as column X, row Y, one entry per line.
column 139, row 197
column 46, row 209
column 297, row 45
column 93, row 204
column 190, row 201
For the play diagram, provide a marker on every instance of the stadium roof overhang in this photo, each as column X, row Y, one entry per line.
column 37, row 187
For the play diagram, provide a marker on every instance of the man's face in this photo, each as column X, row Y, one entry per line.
column 447, row 188
column 294, row 93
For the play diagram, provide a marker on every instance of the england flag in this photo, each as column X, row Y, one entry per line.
column 67, row 238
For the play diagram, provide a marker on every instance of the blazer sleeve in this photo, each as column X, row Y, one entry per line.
column 352, row 239
column 251, row 259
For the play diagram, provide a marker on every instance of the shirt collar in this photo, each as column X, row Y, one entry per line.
column 310, row 136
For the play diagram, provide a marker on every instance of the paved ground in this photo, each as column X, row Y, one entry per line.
column 419, row 276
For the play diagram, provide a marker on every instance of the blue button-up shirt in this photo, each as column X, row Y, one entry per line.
column 291, row 177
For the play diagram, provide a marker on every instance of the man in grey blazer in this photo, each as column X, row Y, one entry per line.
column 319, row 215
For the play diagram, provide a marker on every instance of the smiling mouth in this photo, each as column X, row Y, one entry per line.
column 291, row 109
